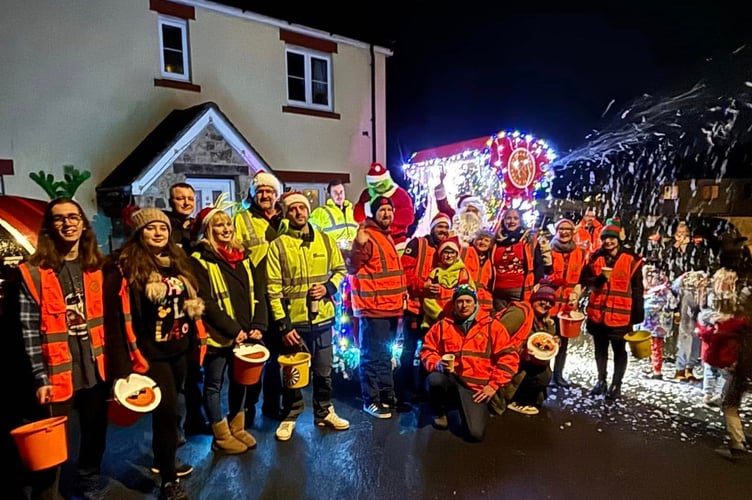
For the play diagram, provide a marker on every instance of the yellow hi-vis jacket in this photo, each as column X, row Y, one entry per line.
column 254, row 232
column 222, row 295
column 338, row 223
column 295, row 262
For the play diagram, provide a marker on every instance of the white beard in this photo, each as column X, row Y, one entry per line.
column 465, row 225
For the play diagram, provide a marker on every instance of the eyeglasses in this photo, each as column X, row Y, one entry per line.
column 59, row 220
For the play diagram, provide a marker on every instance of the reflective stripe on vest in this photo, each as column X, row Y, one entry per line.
column 221, row 293
column 380, row 283
column 611, row 305
column 422, row 270
column 44, row 286
column 339, row 227
column 567, row 268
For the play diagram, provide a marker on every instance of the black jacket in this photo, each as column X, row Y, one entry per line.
column 236, row 279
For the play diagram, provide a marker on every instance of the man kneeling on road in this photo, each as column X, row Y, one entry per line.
column 469, row 357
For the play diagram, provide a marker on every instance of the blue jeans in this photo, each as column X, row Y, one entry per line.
column 216, row 364
column 376, row 379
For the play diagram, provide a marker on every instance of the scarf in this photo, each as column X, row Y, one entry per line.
column 232, row 256
column 465, row 324
column 506, row 237
column 563, row 247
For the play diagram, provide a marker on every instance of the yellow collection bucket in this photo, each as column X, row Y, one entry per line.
column 296, row 369
column 639, row 343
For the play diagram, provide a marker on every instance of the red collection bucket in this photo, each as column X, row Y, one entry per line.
column 121, row 416
column 570, row 324
column 42, row 444
column 249, row 363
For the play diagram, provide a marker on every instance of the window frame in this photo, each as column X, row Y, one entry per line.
column 181, row 24
column 308, row 54
column 710, row 192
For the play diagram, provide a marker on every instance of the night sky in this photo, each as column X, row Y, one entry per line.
column 550, row 71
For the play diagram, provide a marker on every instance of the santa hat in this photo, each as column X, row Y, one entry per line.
column 291, row 198
column 452, row 242
column 205, row 215
column 440, row 217
column 377, row 173
column 264, row 179
column 613, row 229
column 201, row 222
column 564, row 222
column 471, row 201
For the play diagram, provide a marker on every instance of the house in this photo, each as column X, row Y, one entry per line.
column 145, row 93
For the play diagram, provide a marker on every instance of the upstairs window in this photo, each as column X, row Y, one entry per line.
column 670, row 192
column 309, row 79
column 173, row 45
column 710, row 193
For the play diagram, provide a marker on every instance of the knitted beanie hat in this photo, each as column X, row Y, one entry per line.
column 380, row 201
column 612, row 229
column 544, row 292
column 141, row 218
column 564, row 223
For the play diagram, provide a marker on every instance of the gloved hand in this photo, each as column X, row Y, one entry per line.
column 600, row 280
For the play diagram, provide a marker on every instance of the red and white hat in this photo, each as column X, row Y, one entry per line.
column 440, row 217
column 564, row 222
column 265, row 179
column 291, row 198
column 472, row 201
column 201, row 222
column 377, row 173
column 452, row 242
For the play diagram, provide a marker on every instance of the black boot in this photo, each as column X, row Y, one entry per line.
column 560, row 381
column 614, row 392
column 600, row 388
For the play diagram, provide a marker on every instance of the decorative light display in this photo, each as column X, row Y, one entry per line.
column 507, row 170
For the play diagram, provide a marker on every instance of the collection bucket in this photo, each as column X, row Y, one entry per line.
column 570, row 324
column 296, row 369
column 249, row 363
column 42, row 444
column 121, row 416
column 639, row 343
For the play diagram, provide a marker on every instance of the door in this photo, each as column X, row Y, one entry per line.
column 207, row 190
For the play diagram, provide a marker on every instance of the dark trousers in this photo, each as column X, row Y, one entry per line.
column 619, row 347
column 446, row 392
column 561, row 356
column 193, row 412
column 409, row 377
column 376, row 379
column 169, row 375
column 318, row 341
column 87, row 420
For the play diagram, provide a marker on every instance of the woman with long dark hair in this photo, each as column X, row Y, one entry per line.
column 153, row 322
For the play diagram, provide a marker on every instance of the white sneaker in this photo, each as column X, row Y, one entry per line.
column 334, row 421
column 525, row 410
column 285, row 429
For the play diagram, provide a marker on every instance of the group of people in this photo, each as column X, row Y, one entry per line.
column 185, row 289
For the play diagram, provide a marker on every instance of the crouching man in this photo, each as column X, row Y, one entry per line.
column 468, row 356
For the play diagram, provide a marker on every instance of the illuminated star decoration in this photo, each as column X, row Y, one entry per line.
column 506, row 170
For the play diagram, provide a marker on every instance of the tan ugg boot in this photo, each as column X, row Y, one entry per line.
column 237, row 428
column 225, row 441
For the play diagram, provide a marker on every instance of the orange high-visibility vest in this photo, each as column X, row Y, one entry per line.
column 423, row 268
column 380, row 283
column 481, row 275
column 567, row 267
column 48, row 294
column 138, row 361
column 611, row 305
column 528, row 281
